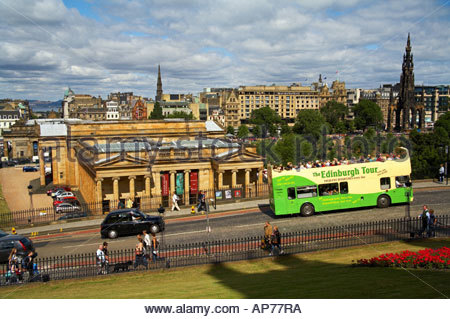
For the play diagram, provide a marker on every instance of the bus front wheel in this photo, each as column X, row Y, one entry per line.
column 307, row 210
column 383, row 201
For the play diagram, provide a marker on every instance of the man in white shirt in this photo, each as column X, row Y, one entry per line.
column 101, row 261
column 175, row 202
column 441, row 173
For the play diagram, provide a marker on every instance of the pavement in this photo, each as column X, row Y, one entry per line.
column 242, row 206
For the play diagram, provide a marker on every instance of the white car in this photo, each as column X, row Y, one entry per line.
column 67, row 208
column 61, row 195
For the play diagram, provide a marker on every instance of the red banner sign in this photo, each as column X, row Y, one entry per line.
column 193, row 182
column 165, row 185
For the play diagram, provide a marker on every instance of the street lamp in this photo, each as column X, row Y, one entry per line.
column 30, row 192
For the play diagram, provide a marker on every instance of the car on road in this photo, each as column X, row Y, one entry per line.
column 52, row 192
column 69, row 199
column 8, row 242
column 30, row 169
column 128, row 222
column 66, row 208
column 61, row 195
column 72, row 215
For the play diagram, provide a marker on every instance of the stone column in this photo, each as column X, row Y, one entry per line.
column 247, row 182
column 42, row 166
column 233, row 177
column 220, row 179
column 260, row 175
column 186, row 186
column 172, row 182
column 131, row 187
column 147, row 185
column 116, row 187
column 145, row 201
column 99, row 196
column 156, row 200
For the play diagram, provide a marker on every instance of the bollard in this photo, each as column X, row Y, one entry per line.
column 13, row 231
column 192, row 210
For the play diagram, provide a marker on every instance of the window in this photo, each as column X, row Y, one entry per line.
column 401, row 181
column 306, row 191
column 291, row 193
column 343, row 188
column 385, row 183
column 328, row 189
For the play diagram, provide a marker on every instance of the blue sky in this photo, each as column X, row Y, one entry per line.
column 102, row 46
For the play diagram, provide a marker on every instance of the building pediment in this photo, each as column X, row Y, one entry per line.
column 120, row 160
column 237, row 155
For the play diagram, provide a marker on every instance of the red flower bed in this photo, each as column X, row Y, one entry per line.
column 427, row 258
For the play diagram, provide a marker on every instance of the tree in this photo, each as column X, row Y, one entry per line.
column 230, row 130
column 256, row 131
column 309, row 122
column 335, row 113
column 267, row 118
column 157, row 113
column 444, row 123
column 243, row 131
column 181, row 115
column 367, row 113
column 285, row 148
column 285, row 129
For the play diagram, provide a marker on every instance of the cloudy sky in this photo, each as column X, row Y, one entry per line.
column 103, row 46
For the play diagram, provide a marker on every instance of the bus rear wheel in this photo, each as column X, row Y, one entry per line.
column 383, row 201
column 307, row 210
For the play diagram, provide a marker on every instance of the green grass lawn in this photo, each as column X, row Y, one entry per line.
column 325, row 274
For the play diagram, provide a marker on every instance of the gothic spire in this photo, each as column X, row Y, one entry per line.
column 159, row 90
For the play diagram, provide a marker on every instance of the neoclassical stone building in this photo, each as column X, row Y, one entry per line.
column 147, row 160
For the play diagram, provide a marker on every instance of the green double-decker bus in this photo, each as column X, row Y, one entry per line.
column 340, row 187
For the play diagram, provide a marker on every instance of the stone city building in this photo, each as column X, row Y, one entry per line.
column 148, row 160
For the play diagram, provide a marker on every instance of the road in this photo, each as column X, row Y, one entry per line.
column 243, row 225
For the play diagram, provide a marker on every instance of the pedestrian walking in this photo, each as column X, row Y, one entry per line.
column 424, row 220
column 276, row 241
column 432, row 220
column 105, row 251
column 175, row 200
column 129, row 203
column 147, row 244
column 201, row 206
column 267, row 234
column 154, row 247
column 102, row 263
column 120, row 205
column 140, row 254
column 441, row 173
column 28, row 264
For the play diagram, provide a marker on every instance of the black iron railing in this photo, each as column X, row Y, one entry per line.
column 216, row 251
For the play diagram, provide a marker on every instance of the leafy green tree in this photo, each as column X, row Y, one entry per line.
column 367, row 113
column 285, row 148
column 267, row 118
column 181, row 115
column 256, row 131
column 157, row 113
column 443, row 123
column 243, row 131
column 285, row 129
column 335, row 113
column 309, row 122
column 230, row 130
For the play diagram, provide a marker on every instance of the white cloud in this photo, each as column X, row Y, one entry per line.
column 215, row 43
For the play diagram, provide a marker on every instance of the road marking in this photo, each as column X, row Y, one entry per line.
column 115, row 241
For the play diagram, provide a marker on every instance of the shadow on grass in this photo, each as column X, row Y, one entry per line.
column 296, row 277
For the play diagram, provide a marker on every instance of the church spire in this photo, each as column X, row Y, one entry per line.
column 159, row 90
